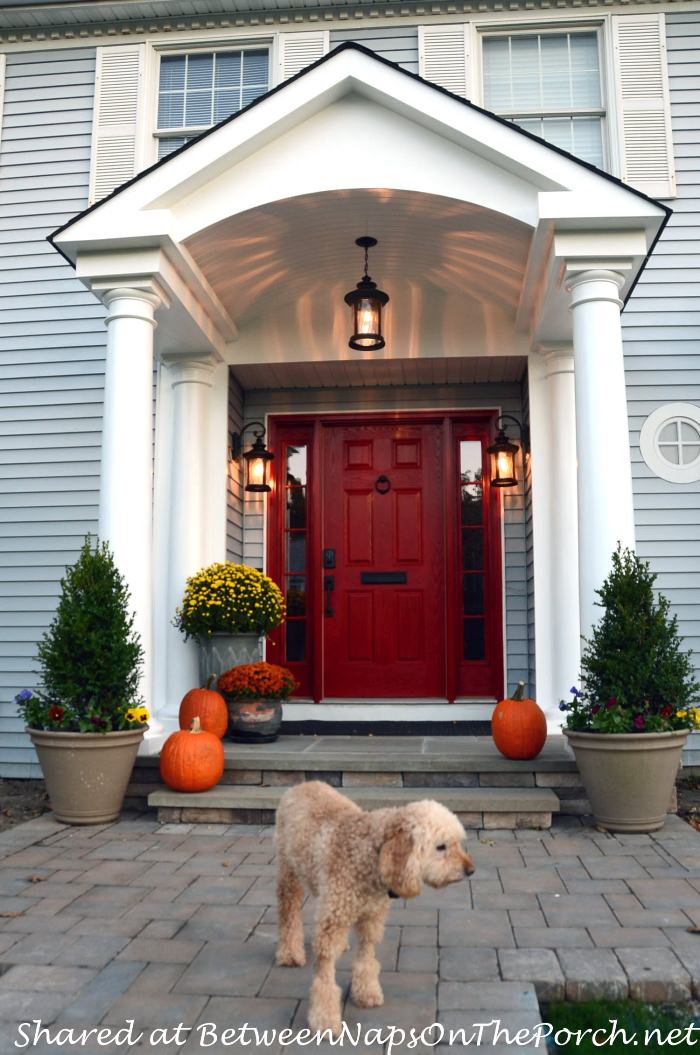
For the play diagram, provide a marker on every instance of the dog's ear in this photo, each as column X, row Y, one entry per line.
column 399, row 865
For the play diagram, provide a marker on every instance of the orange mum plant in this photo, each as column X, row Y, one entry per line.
column 257, row 681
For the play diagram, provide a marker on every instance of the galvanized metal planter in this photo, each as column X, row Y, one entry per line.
column 220, row 652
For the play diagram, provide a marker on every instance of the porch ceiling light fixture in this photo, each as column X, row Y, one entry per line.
column 366, row 303
column 503, row 453
column 257, row 459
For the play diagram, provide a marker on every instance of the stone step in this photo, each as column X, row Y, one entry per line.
column 477, row 807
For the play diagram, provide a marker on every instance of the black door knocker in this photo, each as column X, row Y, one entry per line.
column 382, row 484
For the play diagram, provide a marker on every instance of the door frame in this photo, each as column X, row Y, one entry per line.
column 313, row 424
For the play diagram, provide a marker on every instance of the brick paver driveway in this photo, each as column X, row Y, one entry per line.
column 170, row 924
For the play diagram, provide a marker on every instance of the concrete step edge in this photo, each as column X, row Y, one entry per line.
column 462, row 800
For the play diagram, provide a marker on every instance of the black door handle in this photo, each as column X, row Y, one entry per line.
column 328, row 587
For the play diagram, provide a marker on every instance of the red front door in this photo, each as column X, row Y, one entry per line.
column 383, row 540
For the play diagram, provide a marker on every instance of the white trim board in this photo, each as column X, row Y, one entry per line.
column 479, row 710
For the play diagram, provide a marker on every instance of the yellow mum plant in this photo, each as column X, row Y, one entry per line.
column 230, row 599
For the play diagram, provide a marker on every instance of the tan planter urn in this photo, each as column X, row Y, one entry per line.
column 628, row 777
column 86, row 774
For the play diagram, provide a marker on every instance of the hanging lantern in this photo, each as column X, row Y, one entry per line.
column 366, row 303
column 257, row 459
column 503, row 453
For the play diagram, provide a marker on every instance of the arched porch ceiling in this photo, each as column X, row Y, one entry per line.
column 247, row 234
column 453, row 270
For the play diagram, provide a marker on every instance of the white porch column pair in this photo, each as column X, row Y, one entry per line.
column 126, row 519
column 582, row 479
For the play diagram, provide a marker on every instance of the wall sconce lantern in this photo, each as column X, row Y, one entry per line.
column 257, row 459
column 366, row 303
column 503, row 453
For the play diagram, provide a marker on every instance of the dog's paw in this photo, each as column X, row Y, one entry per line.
column 366, row 995
column 290, row 958
column 319, row 1023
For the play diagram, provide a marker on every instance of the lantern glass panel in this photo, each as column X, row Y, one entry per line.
column 257, row 471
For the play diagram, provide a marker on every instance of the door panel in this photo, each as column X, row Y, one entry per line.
column 383, row 515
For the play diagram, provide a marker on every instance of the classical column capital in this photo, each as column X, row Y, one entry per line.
column 186, row 370
column 127, row 302
column 596, row 284
column 557, row 359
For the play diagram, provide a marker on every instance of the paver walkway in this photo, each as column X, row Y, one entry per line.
column 169, row 924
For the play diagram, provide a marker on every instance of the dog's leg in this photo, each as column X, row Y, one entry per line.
column 366, row 990
column 324, row 999
column 290, row 896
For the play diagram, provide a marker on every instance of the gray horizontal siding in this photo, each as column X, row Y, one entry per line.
column 397, row 43
column 517, row 558
column 661, row 326
column 52, row 364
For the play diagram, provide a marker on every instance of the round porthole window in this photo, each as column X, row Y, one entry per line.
column 670, row 442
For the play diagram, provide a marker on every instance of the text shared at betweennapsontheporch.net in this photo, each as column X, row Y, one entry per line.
column 487, row 1032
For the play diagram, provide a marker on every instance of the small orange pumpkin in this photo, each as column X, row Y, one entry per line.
column 207, row 705
column 192, row 760
column 518, row 726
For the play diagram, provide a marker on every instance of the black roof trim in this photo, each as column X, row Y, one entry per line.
column 351, row 45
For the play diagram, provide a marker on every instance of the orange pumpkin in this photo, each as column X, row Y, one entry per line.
column 192, row 760
column 207, row 705
column 518, row 726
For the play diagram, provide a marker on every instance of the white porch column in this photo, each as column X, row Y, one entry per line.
column 191, row 383
column 555, row 526
column 126, row 481
column 605, row 502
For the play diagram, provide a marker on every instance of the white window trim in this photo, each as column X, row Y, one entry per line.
column 649, row 439
column 153, row 134
column 601, row 24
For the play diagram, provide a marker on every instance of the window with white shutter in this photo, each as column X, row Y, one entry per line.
column 197, row 89
column 117, row 132
column 549, row 83
column 299, row 50
column 644, row 113
column 443, row 56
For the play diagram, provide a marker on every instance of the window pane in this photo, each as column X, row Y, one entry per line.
column 251, row 93
column 171, row 111
column 200, row 70
column 198, row 108
column 690, row 453
column 170, row 143
column 255, row 64
column 473, row 550
column 296, row 595
column 474, row 644
column 228, row 70
column 295, row 632
column 296, row 465
column 296, row 551
column 226, row 103
column 473, row 594
column 172, row 72
column 689, row 433
column 470, row 468
column 296, row 507
column 671, row 452
column 669, row 433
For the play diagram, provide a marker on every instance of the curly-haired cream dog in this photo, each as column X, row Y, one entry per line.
column 354, row 861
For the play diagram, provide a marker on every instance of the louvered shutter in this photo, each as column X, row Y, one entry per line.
column 116, row 153
column 444, row 57
column 299, row 50
column 646, row 146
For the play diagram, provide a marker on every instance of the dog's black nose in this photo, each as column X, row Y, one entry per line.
column 469, row 870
